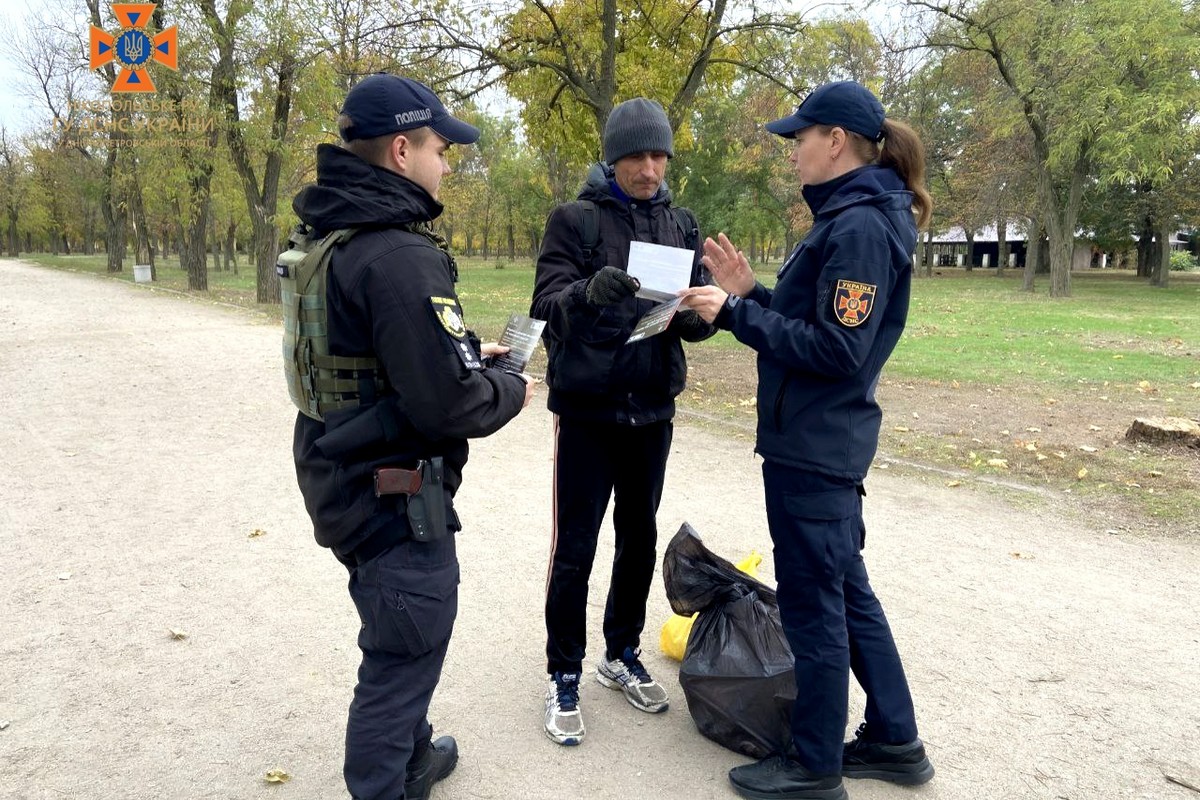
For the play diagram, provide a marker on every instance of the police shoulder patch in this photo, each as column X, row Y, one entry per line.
column 852, row 302
column 449, row 315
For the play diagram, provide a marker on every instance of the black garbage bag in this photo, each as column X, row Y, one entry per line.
column 736, row 673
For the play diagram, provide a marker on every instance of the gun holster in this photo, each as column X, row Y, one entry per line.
column 426, row 509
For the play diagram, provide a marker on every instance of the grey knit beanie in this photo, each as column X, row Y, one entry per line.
column 636, row 126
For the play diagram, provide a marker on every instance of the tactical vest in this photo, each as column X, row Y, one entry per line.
column 317, row 381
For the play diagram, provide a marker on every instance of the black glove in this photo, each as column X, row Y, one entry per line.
column 690, row 326
column 610, row 286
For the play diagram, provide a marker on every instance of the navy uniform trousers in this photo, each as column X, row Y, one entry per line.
column 593, row 461
column 407, row 599
column 831, row 617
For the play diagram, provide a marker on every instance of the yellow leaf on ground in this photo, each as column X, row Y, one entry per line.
column 1001, row 463
column 254, row 534
column 900, row 429
column 1041, row 457
column 1154, row 473
column 277, row 776
column 953, row 483
column 1082, row 473
column 1094, row 428
column 1031, row 447
column 1087, row 448
column 176, row 634
column 1034, row 430
column 1118, row 356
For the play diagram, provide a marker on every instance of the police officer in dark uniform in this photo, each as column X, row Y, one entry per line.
column 379, row 472
column 822, row 336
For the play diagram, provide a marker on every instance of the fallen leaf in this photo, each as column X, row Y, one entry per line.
column 900, row 429
column 1031, row 447
column 254, row 534
column 1133, row 484
column 953, row 483
column 176, row 634
column 750, row 402
column 1154, row 473
column 1034, row 430
column 1041, row 457
column 1087, row 448
column 3, row 724
column 1001, row 463
column 1082, row 473
column 65, row 576
column 954, row 385
column 1005, row 433
column 916, row 415
column 1094, row 428
column 1118, row 357
column 277, row 776
column 1023, row 556
column 1060, row 455
column 1050, row 401
column 1195, row 385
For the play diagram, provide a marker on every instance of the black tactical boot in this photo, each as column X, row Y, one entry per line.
column 779, row 778
column 905, row 764
column 438, row 761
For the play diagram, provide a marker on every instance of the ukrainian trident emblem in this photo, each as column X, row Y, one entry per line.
column 133, row 48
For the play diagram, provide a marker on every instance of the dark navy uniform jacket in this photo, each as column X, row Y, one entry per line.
column 591, row 372
column 390, row 296
column 824, row 332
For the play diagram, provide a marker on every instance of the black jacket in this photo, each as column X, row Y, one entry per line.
column 390, row 296
column 834, row 317
column 592, row 373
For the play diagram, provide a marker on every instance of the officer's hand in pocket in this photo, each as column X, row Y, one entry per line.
column 610, row 286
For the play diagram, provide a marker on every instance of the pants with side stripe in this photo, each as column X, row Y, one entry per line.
column 593, row 461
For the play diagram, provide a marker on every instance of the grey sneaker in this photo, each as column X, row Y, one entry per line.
column 627, row 674
column 564, row 723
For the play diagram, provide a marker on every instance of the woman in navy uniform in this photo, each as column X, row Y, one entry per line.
column 822, row 336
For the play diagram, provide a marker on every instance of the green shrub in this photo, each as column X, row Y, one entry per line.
column 1183, row 261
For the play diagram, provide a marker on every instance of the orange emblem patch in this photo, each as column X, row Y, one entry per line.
column 852, row 302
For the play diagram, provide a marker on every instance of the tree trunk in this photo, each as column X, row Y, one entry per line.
column 512, row 239
column 969, row 260
column 231, row 247
column 261, row 202
column 1033, row 255
column 928, row 259
column 1145, row 247
column 1162, row 265
column 143, row 250
column 14, row 238
column 1001, row 246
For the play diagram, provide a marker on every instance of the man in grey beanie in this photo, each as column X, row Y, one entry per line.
column 612, row 402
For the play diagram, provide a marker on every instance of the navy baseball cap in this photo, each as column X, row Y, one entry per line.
column 845, row 104
column 380, row 104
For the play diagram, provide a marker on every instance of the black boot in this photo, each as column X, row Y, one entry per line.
column 438, row 761
column 780, row 778
column 904, row 764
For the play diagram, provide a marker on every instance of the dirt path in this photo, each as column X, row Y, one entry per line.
column 146, row 438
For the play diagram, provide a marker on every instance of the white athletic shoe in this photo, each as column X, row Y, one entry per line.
column 627, row 674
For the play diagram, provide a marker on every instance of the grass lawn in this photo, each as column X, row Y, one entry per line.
column 988, row 383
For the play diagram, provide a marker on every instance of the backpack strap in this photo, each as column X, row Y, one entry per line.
column 589, row 230
column 688, row 226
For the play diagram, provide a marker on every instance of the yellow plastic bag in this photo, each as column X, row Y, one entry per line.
column 675, row 631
